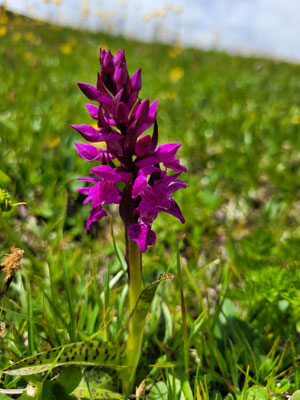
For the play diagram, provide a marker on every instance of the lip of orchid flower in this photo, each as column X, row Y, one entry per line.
column 96, row 214
column 122, row 117
column 143, row 235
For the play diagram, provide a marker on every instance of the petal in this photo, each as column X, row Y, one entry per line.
column 120, row 76
column 148, row 170
column 93, row 94
column 89, row 179
column 163, row 153
column 175, row 165
column 136, row 81
column 84, row 190
column 108, row 63
column 139, row 185
column 96, row 214
column 143, row 235
column 89, row 91
column 120, row 58
column 96, row 135
column 89, row 152
column 108, row 173
column 87, row 132
column 153, row 110
column 173, row 209
column 143, row 146
column 167, row 151
column 121, row 113
column 142, row 111
column 93, row 110
column 175, row 186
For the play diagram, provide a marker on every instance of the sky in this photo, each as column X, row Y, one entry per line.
column 261, row 27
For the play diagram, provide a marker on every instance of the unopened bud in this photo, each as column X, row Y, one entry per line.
column 143, row 146
column 121, row 113
column 143, row 111
column 136, row 81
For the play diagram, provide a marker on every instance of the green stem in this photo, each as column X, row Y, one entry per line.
column 134, row 264
column 136, row 330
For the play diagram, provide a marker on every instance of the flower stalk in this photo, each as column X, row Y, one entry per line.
column 134, row 263
column 136, row 329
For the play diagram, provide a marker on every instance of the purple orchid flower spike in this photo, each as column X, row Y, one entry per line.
column 139, row 181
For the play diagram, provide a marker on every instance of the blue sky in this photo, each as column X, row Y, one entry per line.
column 265, row 27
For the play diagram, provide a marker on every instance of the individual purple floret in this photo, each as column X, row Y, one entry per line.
column 133, row 169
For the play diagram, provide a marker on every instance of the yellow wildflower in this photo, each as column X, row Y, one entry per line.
column 3, row 31
column 55, row 142
column 176, row 74
column 296, row 120
column 172, row 94
column 66, row 48
column 30, row 36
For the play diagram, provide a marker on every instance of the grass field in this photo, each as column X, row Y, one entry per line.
column 238, row 120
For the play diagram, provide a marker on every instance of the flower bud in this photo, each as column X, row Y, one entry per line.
column 143, row 146
column 121, row 113
column 108, row 63
column 119, row 58
column 136, row 81
column 143, row 111
column 120, row 77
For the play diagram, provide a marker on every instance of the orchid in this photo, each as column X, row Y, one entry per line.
column 134, row 170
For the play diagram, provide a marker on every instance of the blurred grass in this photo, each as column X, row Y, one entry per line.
column 238, row 120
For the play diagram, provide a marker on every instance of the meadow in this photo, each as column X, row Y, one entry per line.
column 236, row 259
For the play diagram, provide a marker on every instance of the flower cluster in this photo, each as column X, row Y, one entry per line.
column 133, row 170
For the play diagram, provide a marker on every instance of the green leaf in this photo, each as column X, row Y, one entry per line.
column 98, row 393
column 4, row 397
column 53, row 391
column 197, row 325
column 280, row 386
column 142, row 306
column 100, row 384
column 70, row 378
column 184, row 384
column 257, row 393
column 296, row 395
column 98, row 378
column 4, row 179
column 159, row 392
column 82, row 353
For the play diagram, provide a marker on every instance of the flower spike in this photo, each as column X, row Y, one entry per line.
column 143, row 167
